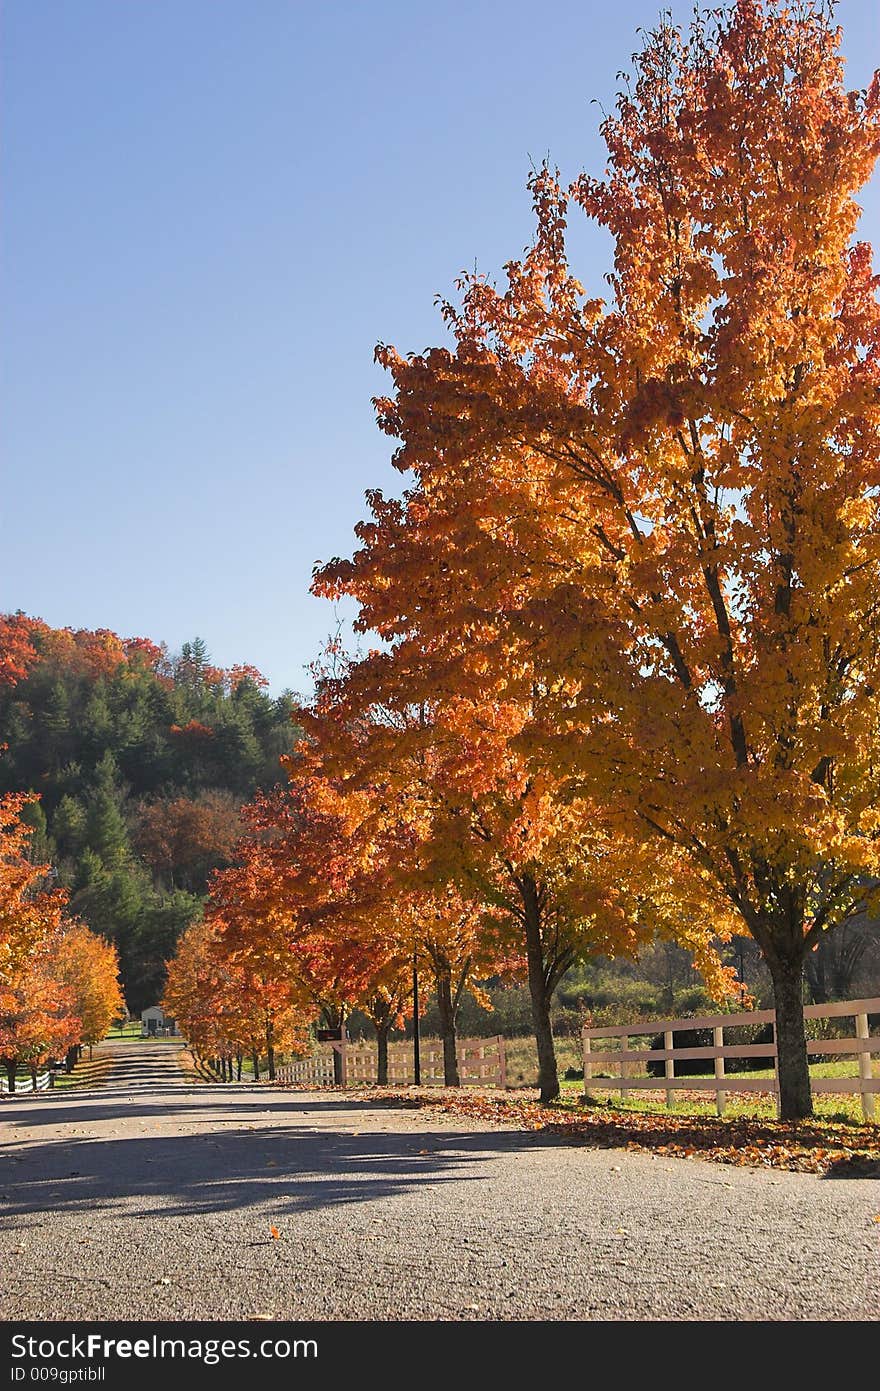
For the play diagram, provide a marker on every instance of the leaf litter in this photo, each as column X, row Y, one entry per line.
column 814, row 1146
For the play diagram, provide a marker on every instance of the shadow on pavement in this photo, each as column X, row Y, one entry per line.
column 77, row 1108
column 295, row 1169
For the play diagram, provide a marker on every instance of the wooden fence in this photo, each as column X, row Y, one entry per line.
column 863, row 1046
column 25, row 1084
column 316, row 1071
column 481, row 1062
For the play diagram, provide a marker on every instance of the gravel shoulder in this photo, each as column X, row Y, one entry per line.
column 157, row 1197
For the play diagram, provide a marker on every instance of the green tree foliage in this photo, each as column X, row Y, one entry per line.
column 114, row 734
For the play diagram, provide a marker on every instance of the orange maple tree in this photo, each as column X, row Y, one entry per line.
column 500, row 872
column 184, row 838
column 88, row 966
column 17, row 651
column 29, row 912
column 38, row 1018
column 225, row 1008
column 663, row 503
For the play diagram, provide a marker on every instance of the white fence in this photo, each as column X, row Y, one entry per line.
column 25, row 1084
column 315, row 1071
column 863, row 1046
column 481, row 1062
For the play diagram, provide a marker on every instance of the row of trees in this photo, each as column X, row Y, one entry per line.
column 629, row 676
column 59, row 985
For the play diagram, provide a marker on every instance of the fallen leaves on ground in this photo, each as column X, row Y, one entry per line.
column 830, row 1148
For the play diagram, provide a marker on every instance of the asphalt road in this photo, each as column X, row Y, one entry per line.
column 155, row 1198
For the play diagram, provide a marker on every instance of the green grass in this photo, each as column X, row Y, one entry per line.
column 130, row 1030
column 522, row 1071
column 87, row 1072
column 843, row 1107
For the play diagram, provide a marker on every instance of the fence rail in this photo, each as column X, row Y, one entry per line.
column 481, row 1062
column 317, row 1070
column 862, row 1046
column 25, row 1084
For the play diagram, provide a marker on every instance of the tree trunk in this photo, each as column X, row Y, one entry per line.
column 270, row 1047
column 34, row 1079
column 10, row 1076
column 446, row 1010
column 382, row 1032
column 548, row 1076
column 255, row 1059
column 795, row 1097
column 238, row 1067
column 70, row 1059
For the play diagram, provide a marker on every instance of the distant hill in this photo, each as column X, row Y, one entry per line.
column 142, row 760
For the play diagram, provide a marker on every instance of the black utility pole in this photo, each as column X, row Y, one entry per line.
column 417, row 1062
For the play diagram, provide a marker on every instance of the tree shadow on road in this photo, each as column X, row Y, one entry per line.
column 71, row 1108
column 292, row 1169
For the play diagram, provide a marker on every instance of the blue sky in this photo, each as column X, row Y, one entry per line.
column 211, row 212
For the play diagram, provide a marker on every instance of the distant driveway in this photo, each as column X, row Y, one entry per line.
column 156, row 1197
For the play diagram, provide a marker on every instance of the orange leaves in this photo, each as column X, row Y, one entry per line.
column 650, row 525
column 187, row 837
column 38, row 1017
column 17, row 651
column 88, row 965
column 226, row 1002
column 820, row 1147
column 29, row 914
column 194, row 729
column 58, row 981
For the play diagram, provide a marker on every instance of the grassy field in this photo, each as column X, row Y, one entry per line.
column 131, row 1030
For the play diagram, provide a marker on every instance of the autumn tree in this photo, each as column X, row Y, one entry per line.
column 499, row 872
column 88, row 966
column 38, row 1018
column 29, row 912
column 224, row 1008
column 17, row 651
column 677, row 483
column 284, row 910
column 201, row 998
column 183, row 839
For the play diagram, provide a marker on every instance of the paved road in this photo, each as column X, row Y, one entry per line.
column 155, row 1198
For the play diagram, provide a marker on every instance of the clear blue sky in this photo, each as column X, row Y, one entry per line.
column 211, row 212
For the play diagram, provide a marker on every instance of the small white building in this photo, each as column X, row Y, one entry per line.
column 155, row 1023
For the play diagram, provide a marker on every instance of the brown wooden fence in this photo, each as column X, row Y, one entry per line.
column 862, row 1045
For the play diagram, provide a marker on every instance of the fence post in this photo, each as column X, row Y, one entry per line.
column 865, row 1068
column 669, row 1069
column 718, row 1042
column 502, row 1063
column 624, row 1047
column 588, row 1061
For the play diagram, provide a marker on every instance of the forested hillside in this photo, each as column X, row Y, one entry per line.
column 142, row 760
